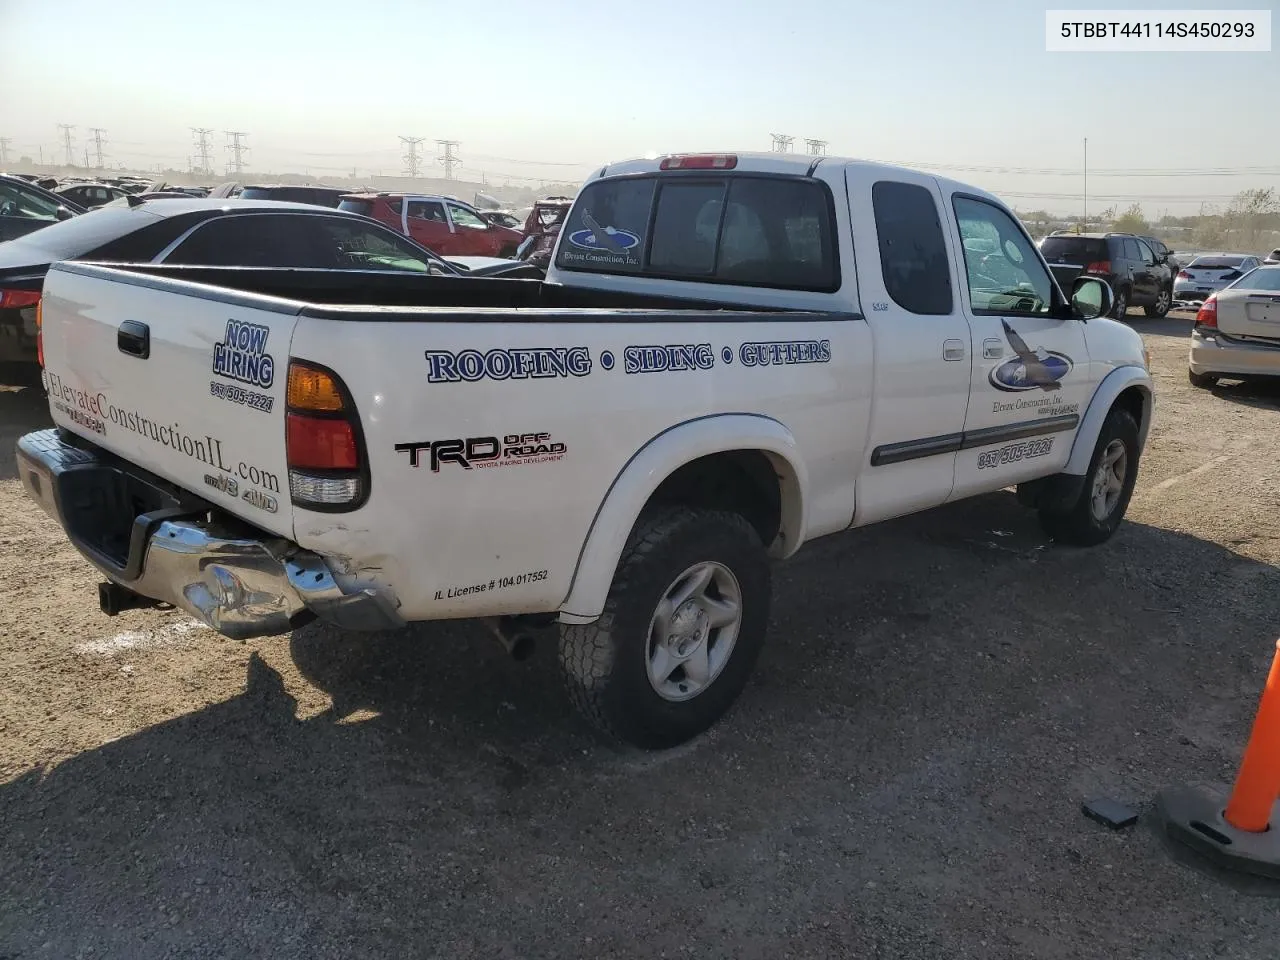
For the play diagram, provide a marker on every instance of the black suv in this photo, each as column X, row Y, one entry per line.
column 1139, row 277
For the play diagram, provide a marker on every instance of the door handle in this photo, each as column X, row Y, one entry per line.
column 952, row 349
column 992, row 349
column 134, row 338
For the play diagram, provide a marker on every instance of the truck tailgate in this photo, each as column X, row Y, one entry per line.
column 184, row 380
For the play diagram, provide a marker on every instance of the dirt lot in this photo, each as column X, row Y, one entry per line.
column 902, row 779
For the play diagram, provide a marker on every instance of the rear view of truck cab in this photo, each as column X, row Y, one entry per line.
column 172, row 454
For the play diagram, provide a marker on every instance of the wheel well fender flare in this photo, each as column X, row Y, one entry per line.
column 659, row 458
column 1131, row 381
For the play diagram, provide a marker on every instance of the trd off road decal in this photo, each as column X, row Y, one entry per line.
column 1037, row 369
column 512, row 449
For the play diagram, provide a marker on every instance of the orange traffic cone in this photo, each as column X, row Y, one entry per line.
column 1237, row 834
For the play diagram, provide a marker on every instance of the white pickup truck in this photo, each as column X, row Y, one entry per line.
column 730, row 356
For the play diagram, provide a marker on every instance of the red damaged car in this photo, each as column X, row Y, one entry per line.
column 444, row 226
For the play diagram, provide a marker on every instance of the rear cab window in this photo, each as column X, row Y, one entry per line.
column 742, row 229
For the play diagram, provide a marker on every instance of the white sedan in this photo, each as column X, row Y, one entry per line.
column 1237, row 331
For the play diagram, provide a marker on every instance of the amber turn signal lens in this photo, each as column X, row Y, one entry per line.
column 311, row 389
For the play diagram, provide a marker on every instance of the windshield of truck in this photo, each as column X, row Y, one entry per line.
column 738, row 229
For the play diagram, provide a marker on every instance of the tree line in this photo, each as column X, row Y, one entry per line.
column 1250, row 223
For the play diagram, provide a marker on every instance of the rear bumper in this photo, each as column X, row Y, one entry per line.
column 1186, row 290
column 1216, row 354
column 166, row 545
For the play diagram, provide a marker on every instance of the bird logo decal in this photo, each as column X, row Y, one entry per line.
column 602, row 238
column 1029, row 369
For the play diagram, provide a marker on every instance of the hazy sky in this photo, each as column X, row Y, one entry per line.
column 548, row 88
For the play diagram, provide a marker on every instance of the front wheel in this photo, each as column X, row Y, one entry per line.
column 681, row 630
column 1104, row 496
column 1164, row 300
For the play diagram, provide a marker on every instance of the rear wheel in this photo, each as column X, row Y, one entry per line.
column 681, row 630
column 1202, row 380
column 1100, row 506
column 1164, row 300
column 1121, row 307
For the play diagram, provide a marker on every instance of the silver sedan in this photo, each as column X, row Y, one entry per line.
column 1211, row 272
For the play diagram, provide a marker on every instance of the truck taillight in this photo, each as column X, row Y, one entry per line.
column 700, row 161
column 324, row 447
column 40, row 333
column 1207, row 315
column 16, row 299
column 1099, row 267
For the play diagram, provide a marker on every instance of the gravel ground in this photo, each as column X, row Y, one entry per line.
column 903, row 778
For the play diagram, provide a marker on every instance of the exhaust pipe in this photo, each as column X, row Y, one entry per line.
column 517, row 637
column 114, row 599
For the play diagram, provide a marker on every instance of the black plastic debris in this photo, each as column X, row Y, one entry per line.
column 1110, row 813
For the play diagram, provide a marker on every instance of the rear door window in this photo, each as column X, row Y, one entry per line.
column 258, row 240
column 744, row 230
column 431, row 210
column 913, row 251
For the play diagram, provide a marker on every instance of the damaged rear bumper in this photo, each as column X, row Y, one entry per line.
column 161, row 543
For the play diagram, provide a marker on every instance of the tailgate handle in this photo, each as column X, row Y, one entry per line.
column 134, row 338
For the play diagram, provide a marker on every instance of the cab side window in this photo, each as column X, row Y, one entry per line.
column 913, row 251
column 1005, row 275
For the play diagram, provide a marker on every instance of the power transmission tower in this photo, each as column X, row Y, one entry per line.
column 448, row 158
column 97, row 147
column 238, row 150
column 816, row 148
column 782, row 142
column 203, row 154
column 4, row 150
column 68, row 143
column 412, row 162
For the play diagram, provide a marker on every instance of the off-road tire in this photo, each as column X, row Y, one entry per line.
column 1120, row 309
column 1204, row 381
column 1075, row 523
column 1164, row 301
column 605, row 663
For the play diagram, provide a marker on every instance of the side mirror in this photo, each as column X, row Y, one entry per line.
column 62, row 213
column 1091, row 298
